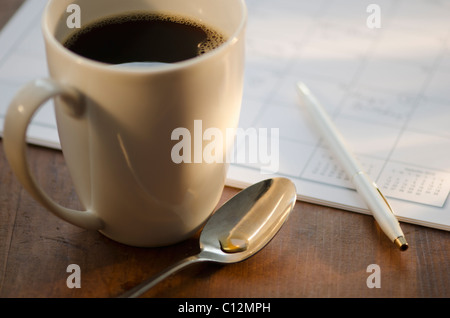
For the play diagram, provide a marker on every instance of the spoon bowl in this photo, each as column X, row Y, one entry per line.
column 239, row 229
column 248, row 221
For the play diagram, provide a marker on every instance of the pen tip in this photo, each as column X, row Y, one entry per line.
column 401, row 243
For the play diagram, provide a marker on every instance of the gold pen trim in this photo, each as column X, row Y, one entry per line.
column 401, row 243
column 385, row 200
column 378, row 189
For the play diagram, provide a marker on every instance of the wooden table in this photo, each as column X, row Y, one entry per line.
column 320, row 251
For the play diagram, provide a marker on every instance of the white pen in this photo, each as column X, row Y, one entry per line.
column 377, row 203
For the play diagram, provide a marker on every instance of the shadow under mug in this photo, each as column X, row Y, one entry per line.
column 115, row 124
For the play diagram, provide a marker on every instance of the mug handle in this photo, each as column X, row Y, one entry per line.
column 19, row 114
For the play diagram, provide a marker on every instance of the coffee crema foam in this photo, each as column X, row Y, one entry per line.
column 212, row 41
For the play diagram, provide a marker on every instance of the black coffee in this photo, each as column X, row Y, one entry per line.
column 143, row 37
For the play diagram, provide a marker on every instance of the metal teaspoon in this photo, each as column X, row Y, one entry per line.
column 239, row 229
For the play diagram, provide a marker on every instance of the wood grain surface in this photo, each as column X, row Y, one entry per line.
column 320, row 251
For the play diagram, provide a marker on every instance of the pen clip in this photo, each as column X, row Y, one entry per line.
column 384, row 198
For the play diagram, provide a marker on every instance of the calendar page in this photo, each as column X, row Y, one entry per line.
column 386, row 88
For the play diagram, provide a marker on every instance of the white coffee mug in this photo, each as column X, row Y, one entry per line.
column 115, row 124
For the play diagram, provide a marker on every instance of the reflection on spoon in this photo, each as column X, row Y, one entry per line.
column 239, row 229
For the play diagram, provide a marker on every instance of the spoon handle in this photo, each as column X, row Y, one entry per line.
column 152, row 281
